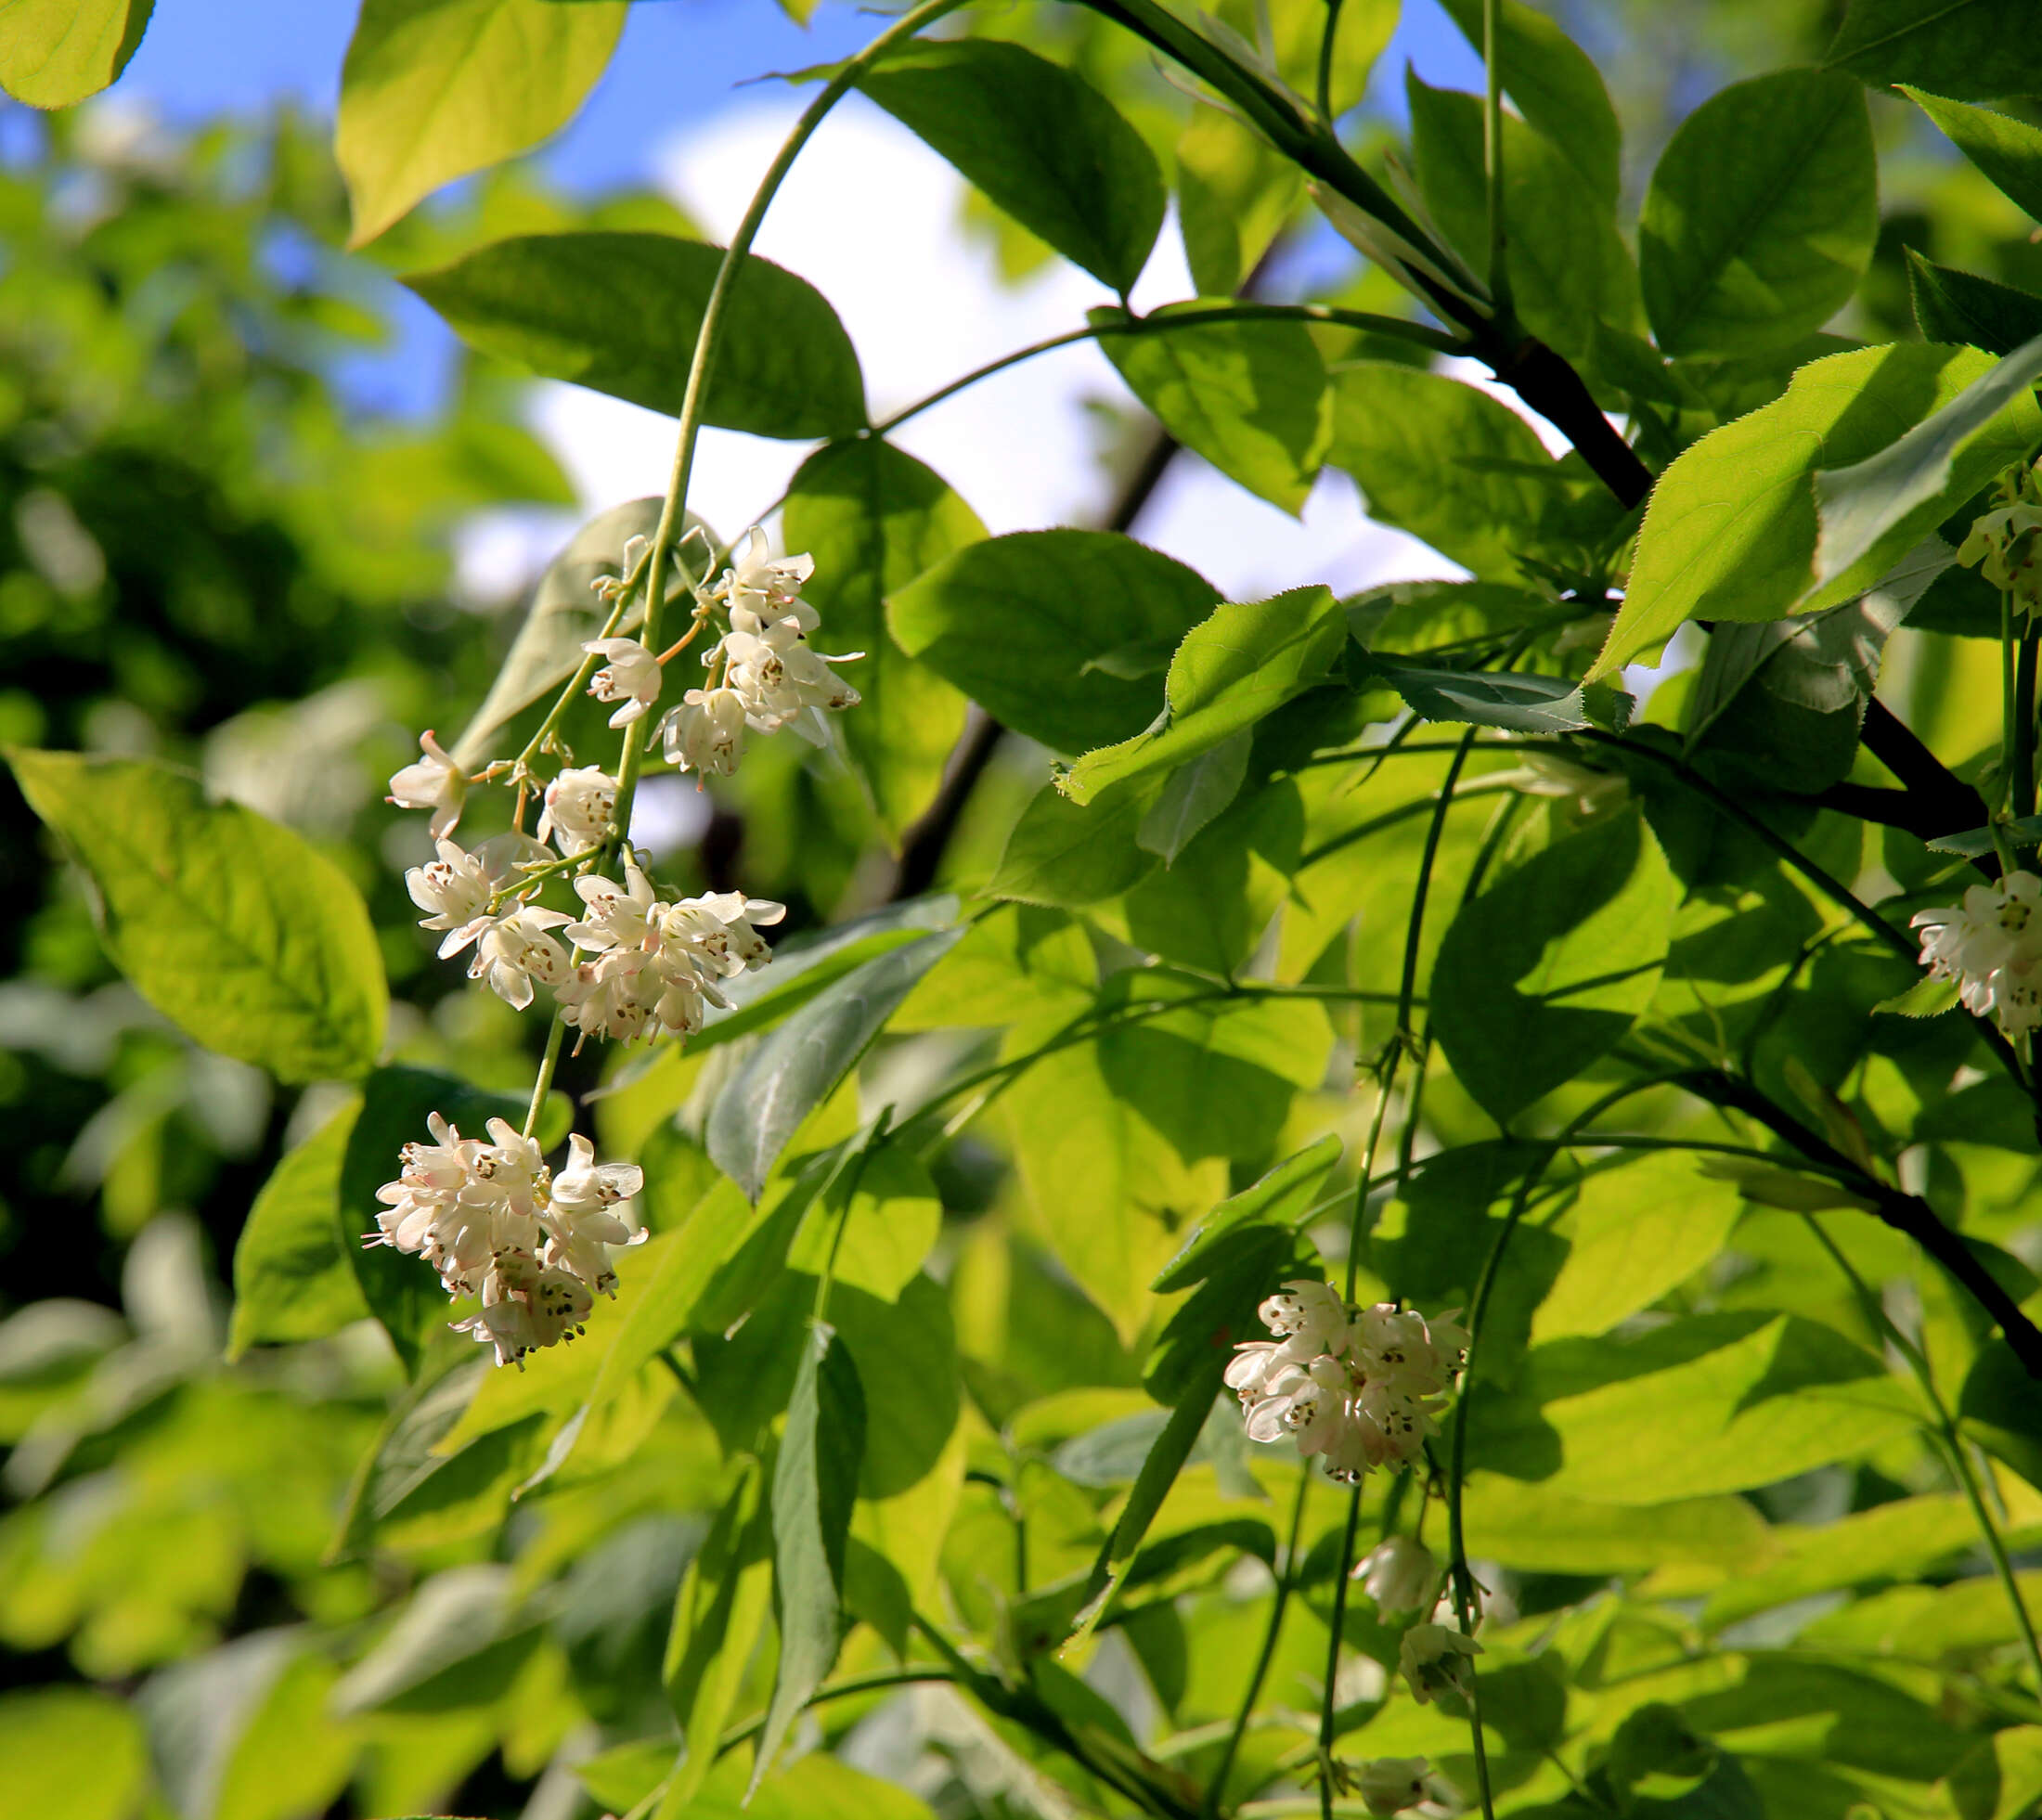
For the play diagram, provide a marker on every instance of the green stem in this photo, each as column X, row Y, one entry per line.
column 1327, row 1729
column 1415, row 332
column 1946, row 1432
column 708, row 339
column 2021, row 782
column 1499, row 277
column 1216, row 1788
column 543, row 1085
column 1326, row 47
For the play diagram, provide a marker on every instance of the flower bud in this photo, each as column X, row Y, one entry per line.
column 1435, row 1660
column 1392, row 1784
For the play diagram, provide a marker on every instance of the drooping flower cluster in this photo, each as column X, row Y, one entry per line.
column 1358, row 1387
column 1991, row 945
column 496, row 1223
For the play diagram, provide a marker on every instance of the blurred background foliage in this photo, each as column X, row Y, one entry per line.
column 213, row 551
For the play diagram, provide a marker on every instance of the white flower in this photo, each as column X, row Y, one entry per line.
column 455, row 890
column 525, row 1306
column 1404, row 1417
column 1392, row 1784
column 719, row 931
column 1400, row 1575
column 581, row 806
column 514, row 950
column 631, row 677
column 1356, row 1450
column 610, row 588
column 1255, row 1362
column 1436, row 1660
column 1991, row 945
column 1310, row 1312
column 591, row 1203
column 761, row 588
column 604, row 997
column 778, row 677
column 435, row 782
column 1306, row 1402
column 2008, row 542
column 619, row 915
column 705, row 733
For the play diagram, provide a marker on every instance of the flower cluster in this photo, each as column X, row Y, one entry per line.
column 496, row 1223
column 1991, row 944
column 763, row 672
column 1359, row 1387
column 2007, row 545
column 657, row 964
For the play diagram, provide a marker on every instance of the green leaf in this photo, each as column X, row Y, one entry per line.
column 1547, row 970
column 1065, row 855
column 874, row 519
column 291, row 1280
column 1166, row 1458
column 1871, row 513
column 799, row 1062
column 73, row 1750
column 1731, row 530
column 1241, row 664
column 563, row 615
column 401, row 1291
column 1281, row 1198
column 1569, row 270
column 1997, row 1407
column 719, row 1616
column 2007, row 151
column 1020, row 623
column 1973, row 49
column 289, row 1757
column 1234, row 195
column 1039, row 141
column 237, row 930
column 1446, row 463
column 1704, row 1404
column 1998, row 1778
column 458, row 1641
column 815, row 1483
column 1545, row 1531
column 1193, row 796
column 1761, row 215
column 433, row 89
column 1249, row 396
column 1925, row 997
column 619, row 313
column 1557, row 87
column 1524, row 703
column 54, row 53
column 879, row 1242
column 1963, row 309
column 1635, row 1233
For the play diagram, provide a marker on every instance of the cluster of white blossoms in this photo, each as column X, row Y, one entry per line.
column 496, row 1223
column 1991, row 945
column 1358, row 1387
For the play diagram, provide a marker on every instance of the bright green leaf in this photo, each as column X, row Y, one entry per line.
column 1872, row 513
column 1234, row 195
column 1522, row 703
column 1761, row 215
column 1065, row 855
column 874, row 519
column 291, row 1280
column 433, row 89
column 1547, row 968
column 1249, row 396
column 54, row 53
column 1731, row 530
column 800, row 1061
column 1193, row 796
column 1233, row 668
column 235, row 928
column 1635, row 1233
column 1036, row 629
column 1446, row 463
column 619, row 313
column 1998, row 1778
column 1038, row 140
column 1281, row 1198
column 72, row 1751
column 2007, row 151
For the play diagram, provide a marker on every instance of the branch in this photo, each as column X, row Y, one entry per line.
column 1904, row 1213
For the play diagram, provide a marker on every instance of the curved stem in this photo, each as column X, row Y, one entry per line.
column 1499, row 277
column 1326, row 47
column 708, row 342
column 1946, row 1432
column 1415, row 332
column 1216, row 1788
column 543, row 1084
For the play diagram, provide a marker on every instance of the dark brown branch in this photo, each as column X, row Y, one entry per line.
column 1910, row 811
column 1904, row 1213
